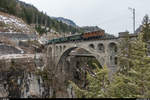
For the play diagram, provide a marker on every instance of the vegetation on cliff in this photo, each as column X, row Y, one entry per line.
column 32, row 15
column 131, row 79
column 146, row 28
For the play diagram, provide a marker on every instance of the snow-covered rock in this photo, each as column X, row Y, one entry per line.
column 12, row 24
column 42, row 40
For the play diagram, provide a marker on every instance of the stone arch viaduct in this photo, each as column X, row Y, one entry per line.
column 105, row 51
column 61, row 70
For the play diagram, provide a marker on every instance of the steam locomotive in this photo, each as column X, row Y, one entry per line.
column 82, row 36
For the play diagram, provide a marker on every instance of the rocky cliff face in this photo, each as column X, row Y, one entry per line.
column 19, row 79
column 30, row 78
column 39, row 78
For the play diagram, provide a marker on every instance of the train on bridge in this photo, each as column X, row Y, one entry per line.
column 83, row 36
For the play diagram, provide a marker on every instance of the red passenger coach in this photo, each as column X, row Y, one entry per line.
column 93, row 34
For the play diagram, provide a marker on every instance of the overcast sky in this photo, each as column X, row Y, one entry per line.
column 111, row 15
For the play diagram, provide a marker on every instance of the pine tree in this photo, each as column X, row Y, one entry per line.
column 97, row 84
column 135, row 81
column 146, row 28
column 131, row 80
column 141, row 67
column 124, row 54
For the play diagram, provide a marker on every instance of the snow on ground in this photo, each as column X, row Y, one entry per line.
column 13, row 24
column 42, row 40
column 10, row 20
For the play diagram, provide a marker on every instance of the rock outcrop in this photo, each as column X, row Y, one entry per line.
column 19, row 79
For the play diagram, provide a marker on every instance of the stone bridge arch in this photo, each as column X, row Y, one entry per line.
column 65, row 52
column 66, row 69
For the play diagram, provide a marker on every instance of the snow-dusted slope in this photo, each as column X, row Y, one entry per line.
column 9, row 23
